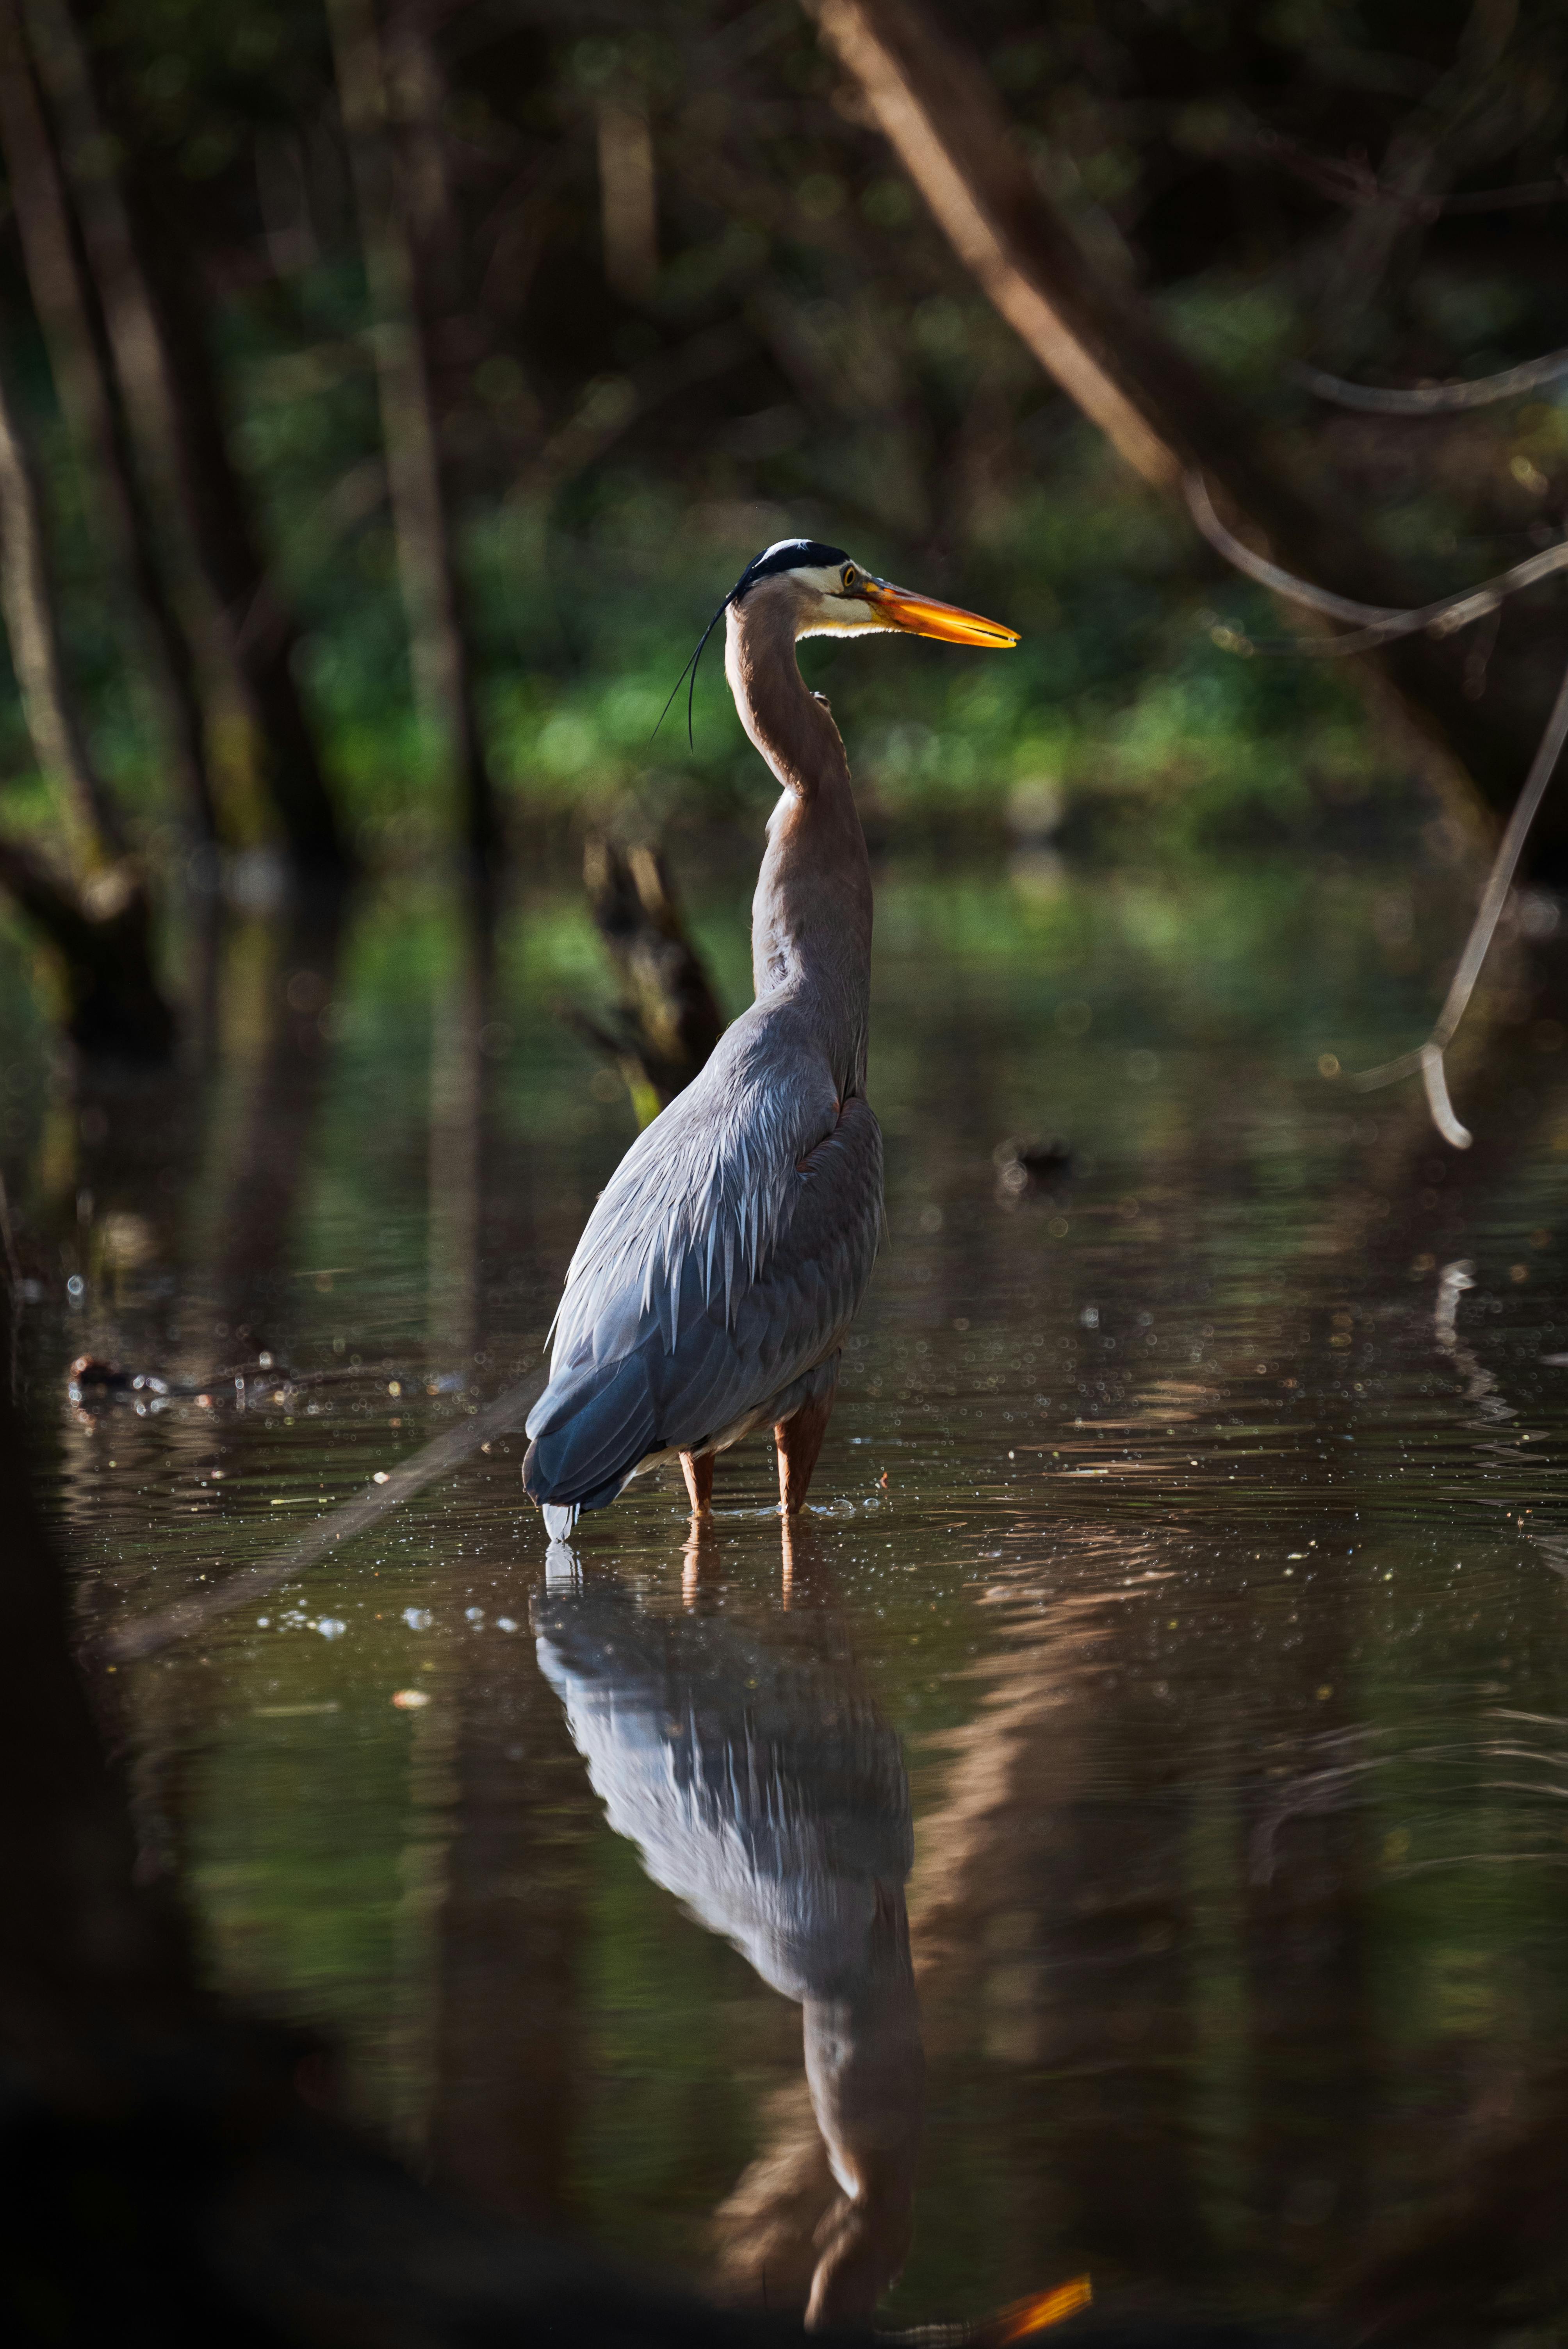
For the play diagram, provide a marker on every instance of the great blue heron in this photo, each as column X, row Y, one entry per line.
column 711, row 1290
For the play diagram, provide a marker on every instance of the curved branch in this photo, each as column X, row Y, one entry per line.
column 1435, row 399
column 1380, row 623
column 1269, row 575
column 1429, row 1057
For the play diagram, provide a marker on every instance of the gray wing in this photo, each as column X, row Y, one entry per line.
column 718, row 1267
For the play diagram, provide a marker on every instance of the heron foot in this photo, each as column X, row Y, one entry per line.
column 698, row 1475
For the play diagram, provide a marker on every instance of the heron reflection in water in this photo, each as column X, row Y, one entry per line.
column 763, row 1788
column 710, row 1293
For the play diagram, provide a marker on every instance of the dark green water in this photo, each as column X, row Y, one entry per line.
column 1186, row 1564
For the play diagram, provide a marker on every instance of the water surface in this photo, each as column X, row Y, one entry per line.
column 1121, row 1831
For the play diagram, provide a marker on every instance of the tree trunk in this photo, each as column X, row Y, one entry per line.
column 84, row 378
column 145, row 276
column 102, row 939
column 400, row 265
column 28, row 599
column 1106, row 349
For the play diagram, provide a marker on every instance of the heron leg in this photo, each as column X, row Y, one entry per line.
column 800, row 1439
column 698, row 1473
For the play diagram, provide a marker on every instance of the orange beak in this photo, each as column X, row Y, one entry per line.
column 921, row 616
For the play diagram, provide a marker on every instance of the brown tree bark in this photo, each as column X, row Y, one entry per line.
column 401, row 233
column 103, row 941
column 1104, row 345
column 84, row 376
column 102, row 937
column 145, row 274
column 27, row 596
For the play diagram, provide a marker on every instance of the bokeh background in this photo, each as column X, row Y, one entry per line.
column 677, row 299
column 390, row 394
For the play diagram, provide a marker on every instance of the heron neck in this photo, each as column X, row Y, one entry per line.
column 811, row 915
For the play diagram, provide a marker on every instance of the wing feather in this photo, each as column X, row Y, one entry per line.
column 726, row 1257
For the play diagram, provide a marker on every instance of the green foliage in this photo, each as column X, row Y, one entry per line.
column 809, row 356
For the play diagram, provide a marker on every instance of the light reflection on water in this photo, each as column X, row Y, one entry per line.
column 1191, row 1528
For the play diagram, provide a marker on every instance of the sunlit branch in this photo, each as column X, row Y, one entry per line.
column 1429, row 1057
column 1435, row 399
column 1379, row 623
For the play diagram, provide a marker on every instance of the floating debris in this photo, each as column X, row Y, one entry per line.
column 1024, row 1166
column 93, row 1381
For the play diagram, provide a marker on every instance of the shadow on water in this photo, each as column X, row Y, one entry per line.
column 1187, row 1579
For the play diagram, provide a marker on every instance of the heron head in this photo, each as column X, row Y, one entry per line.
column 824, row 593
column 829, row 594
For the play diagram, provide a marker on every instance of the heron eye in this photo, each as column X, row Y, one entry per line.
column 852, row 576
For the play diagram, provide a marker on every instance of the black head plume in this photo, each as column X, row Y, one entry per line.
column 787, row 554
column 690, row 670
column 784, row 554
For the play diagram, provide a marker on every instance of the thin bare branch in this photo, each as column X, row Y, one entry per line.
column 941, row 117
column 1350, row 181
column 1429, row 1057
column 1435, row 399
column 1435, row 1079
column 1269, row 575
column 1495, row 893
column 1381, row 623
